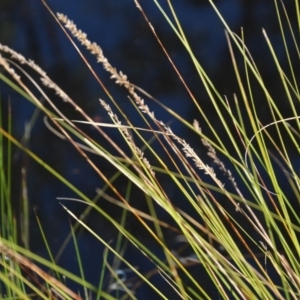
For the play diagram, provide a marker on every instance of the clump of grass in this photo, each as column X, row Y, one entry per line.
column 246, row 243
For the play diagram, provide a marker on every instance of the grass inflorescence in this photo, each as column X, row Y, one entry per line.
column 243, row 231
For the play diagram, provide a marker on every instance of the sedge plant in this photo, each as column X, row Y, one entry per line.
column 242, row 235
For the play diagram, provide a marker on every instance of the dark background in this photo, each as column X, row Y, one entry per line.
column 119, row 28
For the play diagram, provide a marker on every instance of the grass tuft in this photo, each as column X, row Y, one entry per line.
column 239, row 225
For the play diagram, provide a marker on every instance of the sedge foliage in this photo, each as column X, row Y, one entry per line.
column 246, row 244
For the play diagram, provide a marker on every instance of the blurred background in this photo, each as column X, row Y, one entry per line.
column 119, row 28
